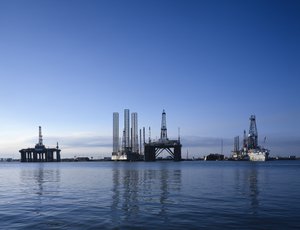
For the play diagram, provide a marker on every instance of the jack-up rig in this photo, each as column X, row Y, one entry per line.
column 129, row 150
column 40, row 153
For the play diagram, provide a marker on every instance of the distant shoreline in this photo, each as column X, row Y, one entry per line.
column 158, row 160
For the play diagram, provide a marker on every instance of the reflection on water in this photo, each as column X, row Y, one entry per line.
column 39, row 185
column 40, row 180
column 119, row 195
column 247, row 182
column 147, row 189
column 253, row 187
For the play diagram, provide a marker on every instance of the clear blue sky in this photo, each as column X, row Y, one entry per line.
column 68, row 65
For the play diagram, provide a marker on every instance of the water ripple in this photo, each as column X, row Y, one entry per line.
column 161, row 195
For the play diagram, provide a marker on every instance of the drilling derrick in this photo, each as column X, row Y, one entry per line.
column 253, row 135
column 163, row 133
column 40, row 136
column 40, row 143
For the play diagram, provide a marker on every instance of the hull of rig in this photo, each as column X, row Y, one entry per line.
column 152, row 150
column 173, row 147
column 126, row 155
column 40, row 153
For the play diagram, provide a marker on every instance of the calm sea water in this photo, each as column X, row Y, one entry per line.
column 154, row 195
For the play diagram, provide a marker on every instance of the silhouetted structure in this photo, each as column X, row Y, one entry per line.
column 40, row 153
column 214, row 157
column 153, row 149
column 253, row 135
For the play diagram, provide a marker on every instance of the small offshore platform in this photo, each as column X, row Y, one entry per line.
column 40, row 153
column 173, row 147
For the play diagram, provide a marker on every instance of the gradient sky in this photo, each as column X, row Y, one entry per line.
column 68, row 65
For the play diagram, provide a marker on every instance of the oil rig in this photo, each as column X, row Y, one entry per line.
column 130, row 149
column 250, row 149
column 40, row 153
column 153, row 149
column 134, row 148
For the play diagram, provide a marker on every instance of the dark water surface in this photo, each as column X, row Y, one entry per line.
column 154, row 195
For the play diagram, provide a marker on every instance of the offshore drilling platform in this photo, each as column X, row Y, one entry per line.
column 153, row 149
column 130, row 149
column 40, row 153
column 250, row 150
column 134, row 148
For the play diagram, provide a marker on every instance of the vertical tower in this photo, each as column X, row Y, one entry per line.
column 40, row 136
column 115, row 132
column 253, row 135
column 141, row 152
column 245, row 140
column 126, row 128
column 163, row 133
column 134, row 132
column 236, row 144
column 123, row 141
